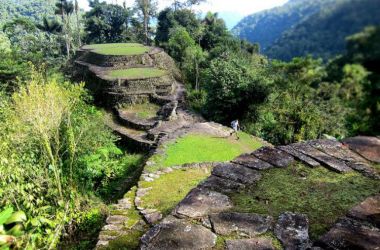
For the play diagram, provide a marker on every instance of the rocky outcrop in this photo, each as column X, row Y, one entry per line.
column 368, row 147
column 351, row 234
column 241, row 223
column 293, row 231
column 253, row 243
column 202, row 202
column 178, row 234
column 368, row 211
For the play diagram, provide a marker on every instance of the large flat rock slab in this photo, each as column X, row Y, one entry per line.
column 237, row 173
column 368, row 147
column 330, row 162
column 243, row 223
column 251, row 244
column 351, row 234
column 250, row 161
column 201, row 202
column 221, row 185
column 274, row 156
column 368, row 210
column 337, row 150
column 298, row 155
column 178, row 234
column 293, row 231
column 343, row 153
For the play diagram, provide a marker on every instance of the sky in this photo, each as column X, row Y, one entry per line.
column 232, row 11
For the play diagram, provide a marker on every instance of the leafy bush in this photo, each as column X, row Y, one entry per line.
column 55, row 155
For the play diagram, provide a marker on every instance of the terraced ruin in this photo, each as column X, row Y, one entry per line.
column 200, row 188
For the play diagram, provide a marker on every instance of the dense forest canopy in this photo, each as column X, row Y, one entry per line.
column 304, row 27
column 59, row 162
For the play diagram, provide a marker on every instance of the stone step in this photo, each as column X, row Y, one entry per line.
column 305, row 159
column 250, row 161
column 137, row 137
column 330, row 162
column 274, row 156
column 131, row 120
column 236, row 173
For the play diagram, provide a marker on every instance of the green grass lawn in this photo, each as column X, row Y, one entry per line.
column 321, row 194
column 143, row 110
column 171, row 188
column 118, row 49
column 136, row 73
column 194, row 148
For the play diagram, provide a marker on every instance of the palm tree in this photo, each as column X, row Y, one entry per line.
column 76, row 9
column 51, row 26
column 65, row 8
column 148, row 9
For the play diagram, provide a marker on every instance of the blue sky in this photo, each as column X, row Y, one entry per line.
column 230, row 11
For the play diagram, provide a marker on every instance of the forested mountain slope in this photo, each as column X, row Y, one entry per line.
column 308, row 27
column 266, row 26
column 35, row 9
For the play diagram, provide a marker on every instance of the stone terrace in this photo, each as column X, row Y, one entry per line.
column 205, row 213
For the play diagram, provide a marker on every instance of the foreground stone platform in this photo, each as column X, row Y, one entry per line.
column 206, row 210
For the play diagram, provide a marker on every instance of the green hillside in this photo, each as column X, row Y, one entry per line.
column 308, row 27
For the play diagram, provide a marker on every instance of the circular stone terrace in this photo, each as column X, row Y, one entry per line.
column 118, row 49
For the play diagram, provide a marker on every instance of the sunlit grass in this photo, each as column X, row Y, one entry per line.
column 171, row 188
column 321, row 194
column 118, row 49
column 195, row 148
column 143, row 110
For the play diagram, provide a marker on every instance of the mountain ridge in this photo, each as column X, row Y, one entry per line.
column 301, row 27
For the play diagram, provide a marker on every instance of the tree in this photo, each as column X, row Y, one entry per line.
column 233, row 88
column 5, row 44
column 76, row 10
column 300, row 105
column 50, row 26
column 106, row 23
column 179, row 41
column 194, row 56
column 169, row 18
column 215, row 31
column 146, row 9
column 65, row 8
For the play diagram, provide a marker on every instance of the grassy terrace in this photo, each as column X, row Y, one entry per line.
column 194, row 148
column 118, row 49
column 171, row 188
column 321, row 194
column 143, row 110
column 136, row 73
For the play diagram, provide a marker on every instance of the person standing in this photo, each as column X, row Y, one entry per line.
column 235, row 126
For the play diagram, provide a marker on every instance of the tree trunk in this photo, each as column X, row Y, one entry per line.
column 78, row 24
column 146, row 27
column 196, row 76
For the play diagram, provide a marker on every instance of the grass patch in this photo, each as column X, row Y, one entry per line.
column 143, row 110
column 221, row 240
column 376, row 167
column 118, row 49
column 125, row 242
column 136, row 73
column 195, row 148
column 171, row 188
column 321, row 194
